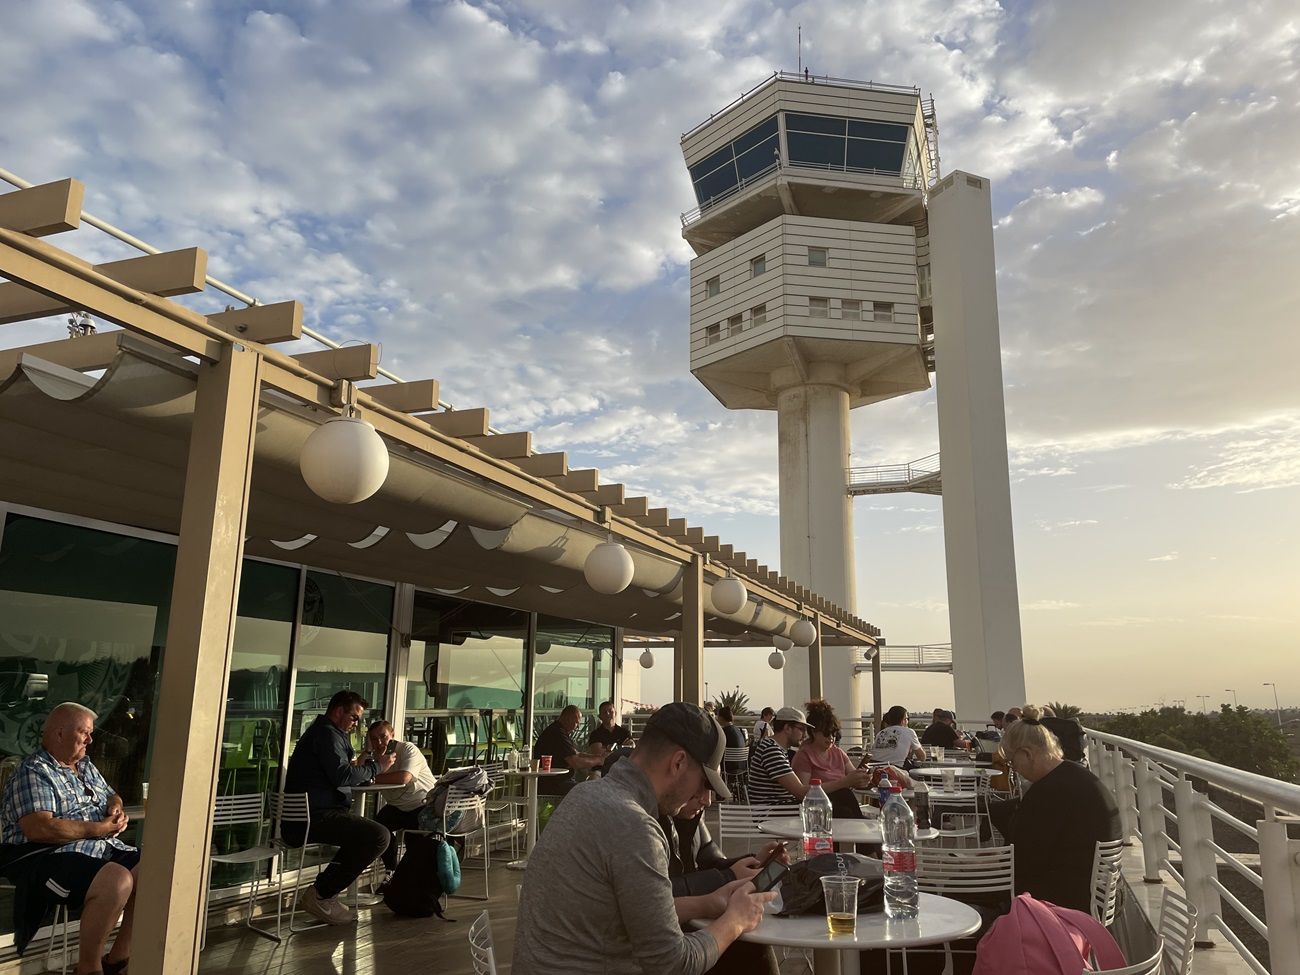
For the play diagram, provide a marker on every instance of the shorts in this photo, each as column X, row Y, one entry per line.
column 68, row 876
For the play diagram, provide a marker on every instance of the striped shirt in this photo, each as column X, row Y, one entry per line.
column 40, row 784
column 767, row 763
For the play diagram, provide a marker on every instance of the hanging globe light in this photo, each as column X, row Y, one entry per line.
column 647, row 658
column 608, row 569
column 782, row 643
column 729, row 595
column 344, row 460
column 776, row 660
column 803, row 634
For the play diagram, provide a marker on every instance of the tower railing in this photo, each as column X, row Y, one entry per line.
column 1166, row 801
column 911, row 476
column 909, row 181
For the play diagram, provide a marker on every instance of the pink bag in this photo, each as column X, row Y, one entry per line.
column 1038, row 938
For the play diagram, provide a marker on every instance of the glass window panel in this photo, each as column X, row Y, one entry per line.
column 817, row 257
column 819, row 307
column 707, row 165
column 758, row 315
column 466, row 658
column 851, row 310
column 713, row 334
column 818, row 150
column 879, row 130
column 887, row 156
column 83, row 618
column 712, row 287
column 716, row 183
column 757, row 159
column 883, row 311
column 758, row 266
column 815, row 123
column 343, row 645
column 759, row 133
column 251, row 748
column 572, row 667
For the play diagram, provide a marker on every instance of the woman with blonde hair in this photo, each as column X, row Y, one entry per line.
column 1060, row 819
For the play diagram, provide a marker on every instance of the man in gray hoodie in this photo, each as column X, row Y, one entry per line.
column 597, row 897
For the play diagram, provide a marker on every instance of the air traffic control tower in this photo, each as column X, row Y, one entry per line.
column 833, row 270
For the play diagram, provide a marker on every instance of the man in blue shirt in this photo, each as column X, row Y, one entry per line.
column 57, row 798
column 324, row 766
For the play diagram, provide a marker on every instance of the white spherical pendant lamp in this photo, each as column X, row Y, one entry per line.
column 776, row 660
column 803, row 634
column 647, row 659
column 729, row 596
column 608, row 568
column 782, row 643
column 344, row 460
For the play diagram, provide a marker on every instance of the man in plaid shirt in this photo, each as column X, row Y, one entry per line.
column 58, row 798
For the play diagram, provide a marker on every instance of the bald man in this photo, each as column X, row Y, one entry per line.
column 58, row 798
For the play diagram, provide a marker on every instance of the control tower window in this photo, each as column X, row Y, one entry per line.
column 819, row 308
column 825, row 142
column 712, row 287
column 758, row 315
column 817, row 257
column 713, row 334
column 851, row 310
column 884, row 311
column 735, row 324
column 724, row 171
column 758, row 266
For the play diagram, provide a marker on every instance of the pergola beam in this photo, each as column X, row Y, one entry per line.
column 39, row 211
column 351, row 362
column 420, row 396
column 267, row 324
column 544, row 465
column 460, row 423
column 507, row 446
column 173, row 273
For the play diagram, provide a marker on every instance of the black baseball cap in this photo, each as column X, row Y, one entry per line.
column 699, row 733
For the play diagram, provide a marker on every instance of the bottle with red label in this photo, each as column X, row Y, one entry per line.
column 816, row 814
column 899, row 855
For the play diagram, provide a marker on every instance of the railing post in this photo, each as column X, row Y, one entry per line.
column 1117, row 776
column 1151, row 821
column 1279, row 860
column 1198, row 859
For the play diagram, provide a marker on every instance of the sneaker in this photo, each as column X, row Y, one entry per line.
column 327, row 909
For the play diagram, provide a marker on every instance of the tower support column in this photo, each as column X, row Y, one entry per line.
column 817, row 518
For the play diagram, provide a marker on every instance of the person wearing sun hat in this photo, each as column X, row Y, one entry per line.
column 596, row 894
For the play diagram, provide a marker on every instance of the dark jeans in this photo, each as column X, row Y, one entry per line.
column 360, row 842
column 394, row 819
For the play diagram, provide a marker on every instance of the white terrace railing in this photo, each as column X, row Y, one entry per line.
column 1174, row 804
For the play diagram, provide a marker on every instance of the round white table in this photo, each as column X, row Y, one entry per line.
column 354, row 889
column 933, row 771
column 843, row 831
column 938, row 919
column 530, row 791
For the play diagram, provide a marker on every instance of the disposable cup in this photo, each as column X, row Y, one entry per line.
column 841, row 894
column 535, row 764
column 546, row 763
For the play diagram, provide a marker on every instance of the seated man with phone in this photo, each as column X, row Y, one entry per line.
column 697, row 866
column 411, row 778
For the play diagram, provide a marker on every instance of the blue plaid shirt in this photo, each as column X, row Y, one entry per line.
column 40, row 784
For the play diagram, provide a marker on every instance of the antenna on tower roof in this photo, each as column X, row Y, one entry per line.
column 800, row 48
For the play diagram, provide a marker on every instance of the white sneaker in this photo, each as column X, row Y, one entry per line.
column 327, row 909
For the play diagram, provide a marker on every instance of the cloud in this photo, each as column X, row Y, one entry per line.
column 1167, row 557
column 1049, row 605
column 1068, row 524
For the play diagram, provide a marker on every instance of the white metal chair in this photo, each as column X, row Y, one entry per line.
column 59, row 924
column 464, row 815
column 292, row 807
column 499, row 802
column 966, row 803
column 735, row 762
column 1178, row 931
column 739, row 821
column 245, row 810
column 480, row 946
column 1148, row 966
column 1106, row 878
column 959, row 873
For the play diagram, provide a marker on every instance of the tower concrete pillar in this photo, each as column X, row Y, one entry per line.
column 983, row 599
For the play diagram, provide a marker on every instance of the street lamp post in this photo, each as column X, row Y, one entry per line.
column 1276, row 706
column 1204, row 698
column 1233, row 692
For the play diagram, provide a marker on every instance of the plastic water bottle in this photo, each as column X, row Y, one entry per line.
column 899, row 829
column 816, row 814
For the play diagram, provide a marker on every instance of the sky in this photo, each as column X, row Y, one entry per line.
column 492, row 192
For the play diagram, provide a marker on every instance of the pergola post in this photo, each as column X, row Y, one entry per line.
column 816, row 691
column 690, row 646
column 876, row 695
column 171, row 899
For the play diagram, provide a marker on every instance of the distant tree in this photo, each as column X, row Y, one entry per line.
column 1065, row 710
column 737, row 700
column 1235, row 737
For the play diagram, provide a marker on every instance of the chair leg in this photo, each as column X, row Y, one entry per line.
column 279, row 909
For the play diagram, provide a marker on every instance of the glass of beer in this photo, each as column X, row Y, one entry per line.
column 841, row 895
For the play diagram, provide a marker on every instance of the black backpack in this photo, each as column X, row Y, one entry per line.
column 415, row 889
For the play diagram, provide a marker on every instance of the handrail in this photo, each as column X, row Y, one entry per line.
column 1250, row 785
column 922, row 467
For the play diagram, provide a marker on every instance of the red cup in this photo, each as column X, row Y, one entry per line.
column 544, row 763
